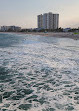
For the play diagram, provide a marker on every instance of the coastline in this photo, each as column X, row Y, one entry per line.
column 57, row 34
column 51, row 34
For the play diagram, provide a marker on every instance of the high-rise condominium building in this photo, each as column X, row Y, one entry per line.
column 48, row 21
column 40, row 19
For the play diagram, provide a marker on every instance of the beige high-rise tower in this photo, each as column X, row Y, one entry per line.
column 48, row 21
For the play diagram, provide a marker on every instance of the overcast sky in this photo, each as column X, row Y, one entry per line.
column 24, row 12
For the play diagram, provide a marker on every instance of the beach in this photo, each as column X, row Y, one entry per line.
column 57, row 34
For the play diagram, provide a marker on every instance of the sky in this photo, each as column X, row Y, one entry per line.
column 24, row 12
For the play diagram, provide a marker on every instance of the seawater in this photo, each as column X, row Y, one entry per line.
column 38, row 73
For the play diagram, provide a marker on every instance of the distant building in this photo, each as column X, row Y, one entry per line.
column 0, row 28
column 40, row 21
column 66, row 29
column 10, row 28
column 48, row 21
column 4, row 28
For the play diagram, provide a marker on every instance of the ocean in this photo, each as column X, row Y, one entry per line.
column 38, row 73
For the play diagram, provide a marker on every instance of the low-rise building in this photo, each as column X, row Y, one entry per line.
column 10, row 28
column 66, row 29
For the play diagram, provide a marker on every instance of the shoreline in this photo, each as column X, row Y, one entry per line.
column 51, row 34
column 70, row 35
